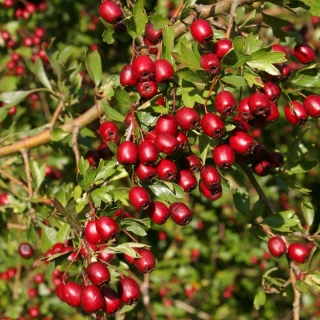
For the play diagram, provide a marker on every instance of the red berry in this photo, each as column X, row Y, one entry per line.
column 242, row 143
column 110, row 12
column 25, row 250
column 211, row 194
column 221, row 47
column 91, row 233
column 223, row 156
column 190, row 161
column 261, row 167
column 210, row 176
column 279, row 48
column 152, row 34
column 180, row 213
column 107, row 228
column 93, row 157
column 183, row 140
column 34, row 312
column 212, row 125
column 210, row 63
column 128, row 290
column 98, row 273
column 166, row 123
column 127, row 76
column 297, row 115
column 273, row 114
column 271, row 90
column 104, row 255
column 187, row 118
column 109, row 131
column 158, row 212
column 91, row 299
column 163, row 71
column 166, row 169
column 187, row 180
column 225, row 103
column 304, row 53
column 139, row 198
column 277, row 247
column 147, row 152
column 312, row 105
column 244, row 111
column 166, row 143
column 201, row 31
column 4, row 199
column 143, row 68
column 147, row 262
column 127, row 153
column 111, row 299
column 298, row 252
column 147, row 89
column 70, row 293
column 259, row 104
column 145, row 172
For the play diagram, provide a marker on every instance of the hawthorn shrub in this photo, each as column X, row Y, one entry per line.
column 159, row 159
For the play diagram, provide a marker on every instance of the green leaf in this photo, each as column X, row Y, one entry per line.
column 168, row 34
column 127, row 248
column 308, row 77
column 38, row 70
column 38, row 172
column 158, row 21
column 198, row 77
column 87, row 180
column 264, row 59
column 252, row 78
column 282, row 221
column 57, row 134
column 137, row 22
column 314, row 7
column 94, row 67
column 12, row 98
column 113, row 147
column 304, row 166
column 56, row 260
column 235, row 59
column 241, row 202
column 134, row 225
column 123, row 98
column 308, row 212
column 102, row 194
column 186, row 57
column 162, row 190
column 111, row 112
column 252, row 44
column 63, row 233
column 204, row 145
column 301, row 286
column 105, row 170
column 281, row 183
column 259, row 299
column 238, row 81
column 83, row 166
column 108, row 34
column 48, row 238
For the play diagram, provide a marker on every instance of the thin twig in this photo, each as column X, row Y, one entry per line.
column 297, row 294
column 44, row 105
column 145, row 287
column 56, row 114
column 232, row 16
column 74, row 143
column 24, row 153
column 13, row 179
column 188, row 308
column 256, row 185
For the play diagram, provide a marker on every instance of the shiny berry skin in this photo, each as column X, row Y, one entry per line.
column 312, row 105
column 297, row 115
column 108, row 131
column 183, row 140
column 147, row 262
column 143, row 68
column 127, row 76
column 104, row 255
column 34, row 312
column 147, row 152
column 167, row 123
column 145, row 172
column 211, row 194
column 166, row 169
column 186, row 180
column 128, row 290
column 4, row 199
column 190, row 161
column 98, row 273
column 277, row 247
column 210, row 63
column 110, row 12
column 304, row 53
column 261, row 167
column 221, row 47
column 273, row 114
column 279, row 48
column 166, row 143
column 275, row 159
column 158, row 212
column 271, row 90
column 139, row 197
column 201, row 31
column 180, row 213
column 147, row 89
column 163, row 71
column 244, row 111
column 91, row 233
column 225, row 103
column 298, row 252
column 152, row 34
column 242, row 143
column 112, row 301
column 107, row 228
column 259, row 104
column 91, row 299
column 71, row 293
column 212, row 125
column 210, row 176
column 127, row 153
column 223, row 156
column 25, row 250
column 187, row 118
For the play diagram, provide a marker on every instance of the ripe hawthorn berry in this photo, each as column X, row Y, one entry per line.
column 166, row 169
column 212, row 125
column 271, row 90
column 110, row 12
column 158, row 212
column 244, row 111
column 210, row 176
column 210, row 63
column 225, row 103
column 127, row 153
column 98, row 273
column 127, row 76
column 163, row 71
column 143, row 68
column 146, row 262
column 71, row 294
column 152, row 34
column 128, row 290
column 259, row 104
column 312, row 105
column 223, row 156
column 145, row 172
column 304, row 53
column 183, row 140
column 147, row 89
column 277, row 247
column 112, row 300
column 201, row 31
column 139, row 197
column 222, row 47
column 180, row 213
column 297, row 115
column 190, row 161
column 92, row 299
column 261, row 167
column 108, row 131
column 186, row 180
column 147, row 152
column 273, row 114
column 4, row 200
column 298, row 252
column 213, row 193
column 166, row 143
column 91, row 233
column 25, row 250
column 167, row 123
column 242, row 143
column 187, row 118
column 107, row 228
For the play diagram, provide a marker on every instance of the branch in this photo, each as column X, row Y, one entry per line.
column 45, row 137
column 297, row 294
column 256, row 185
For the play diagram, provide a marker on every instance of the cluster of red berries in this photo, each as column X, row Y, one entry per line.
column 28, row 9
column 297, row 252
